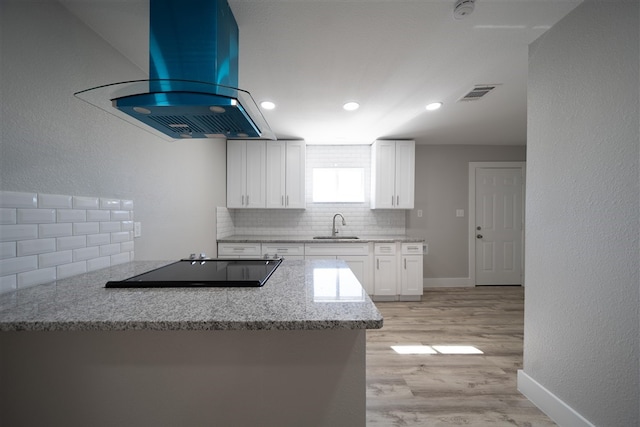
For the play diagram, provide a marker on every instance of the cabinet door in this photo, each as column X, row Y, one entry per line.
column 361, row 267
column 255, row 171
column 411, row 275
column 236, row 173
column 405, row 174
column 385, row 278
column 383, row 165
column 295, row 175
column 276, row 174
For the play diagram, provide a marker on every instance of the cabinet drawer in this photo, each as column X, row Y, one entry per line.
column 239, row 249
column 282, row 249
column 385, row 248
column 336, row 249
column 412, row 249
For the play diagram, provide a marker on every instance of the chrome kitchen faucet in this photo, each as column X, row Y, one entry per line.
column 334, row 230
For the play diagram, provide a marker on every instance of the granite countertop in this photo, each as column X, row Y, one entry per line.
column 310, row 239
column 300, row 295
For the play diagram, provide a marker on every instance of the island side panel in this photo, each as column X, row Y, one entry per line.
column 169, row 378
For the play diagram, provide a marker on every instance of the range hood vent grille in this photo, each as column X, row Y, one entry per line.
column 478, row 92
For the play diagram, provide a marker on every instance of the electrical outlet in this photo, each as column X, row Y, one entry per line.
column 459, row 213
column 137, row 229
column 419, row 213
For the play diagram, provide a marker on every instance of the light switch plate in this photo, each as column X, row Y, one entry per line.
column 459, row 213
column 137, row 229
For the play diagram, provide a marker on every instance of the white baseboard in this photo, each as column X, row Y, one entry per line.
column 549, row 403
column 446, row 282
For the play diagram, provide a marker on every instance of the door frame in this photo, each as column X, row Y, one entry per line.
column 473, row 166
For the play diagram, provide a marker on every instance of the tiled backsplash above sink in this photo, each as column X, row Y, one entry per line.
column 44, row 237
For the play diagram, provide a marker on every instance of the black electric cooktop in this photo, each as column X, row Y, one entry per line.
column 204, row 273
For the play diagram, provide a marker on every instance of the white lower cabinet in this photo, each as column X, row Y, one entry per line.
column 411, row 286
column 385, row 270
column 356, row 255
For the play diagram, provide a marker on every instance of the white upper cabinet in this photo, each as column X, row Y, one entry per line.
column 392, row 174
column 246, row 171
column 285, row 174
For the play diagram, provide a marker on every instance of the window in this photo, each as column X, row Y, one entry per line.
column 338, row 185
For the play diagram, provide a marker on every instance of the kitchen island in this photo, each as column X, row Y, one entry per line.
column 289, row 353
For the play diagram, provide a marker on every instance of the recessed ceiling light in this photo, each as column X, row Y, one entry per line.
column 351, row 106
column 434, row 106
column 267, row 105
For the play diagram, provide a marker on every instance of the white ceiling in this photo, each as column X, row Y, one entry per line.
column 391, row 56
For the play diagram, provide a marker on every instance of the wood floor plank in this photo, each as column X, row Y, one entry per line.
column 450, row 390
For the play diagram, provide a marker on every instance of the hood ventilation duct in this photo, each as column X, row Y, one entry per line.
column 193, row 77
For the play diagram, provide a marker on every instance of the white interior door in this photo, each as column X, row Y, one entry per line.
column 499, row 225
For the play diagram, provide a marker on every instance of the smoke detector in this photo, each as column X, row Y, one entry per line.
column 463, row 8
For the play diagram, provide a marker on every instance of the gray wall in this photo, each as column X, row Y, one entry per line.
column 442, row 186
column 582, row 284
column 53, row 143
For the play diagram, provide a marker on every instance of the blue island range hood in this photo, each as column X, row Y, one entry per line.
column 193, row 77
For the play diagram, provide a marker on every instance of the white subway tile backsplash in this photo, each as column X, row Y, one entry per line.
column 16, row 232
column 86, row 253
column 121, row 236
column 86, row 202
column 18, row 265
column 110, row 227
column 110, row 249
column 72, row 242
column 98, row 263
column 8, row 283
column 35, row 247
column 109, row 203
column 36, row 216
column 54, row 201
column 126, row 246
column 55, row 258
column 44, row 237
column 120, row 215
column 86, row 228
column 73, row 269
column 54, row 230
column 8, row 216
column 71, row 215
column 98, row 216
column 7, row 250
column 120, row 258
column 15, row 199
column 98, row 239
column 36, row 277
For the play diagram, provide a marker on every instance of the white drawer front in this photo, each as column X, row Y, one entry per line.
column 412, row 249
column 385, row 248
column 282, row 249
column 336, row 249
column 239, row 249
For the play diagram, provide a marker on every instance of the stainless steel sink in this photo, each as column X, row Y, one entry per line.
column 337, row 237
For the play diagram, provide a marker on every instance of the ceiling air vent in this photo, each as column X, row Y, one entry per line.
column 478, row 92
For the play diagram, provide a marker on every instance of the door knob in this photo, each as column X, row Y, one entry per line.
column 479, row 236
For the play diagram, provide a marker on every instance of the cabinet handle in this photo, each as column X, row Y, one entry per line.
column 397, row 200
column 378, row 264
column 247, row 200
column 392, row 200
column 405, row 263
column 282, row 200
column 287, row 201
column 242, row 203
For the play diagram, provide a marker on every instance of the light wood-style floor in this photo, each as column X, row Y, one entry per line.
column 450, row 390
